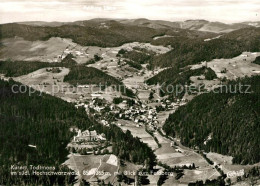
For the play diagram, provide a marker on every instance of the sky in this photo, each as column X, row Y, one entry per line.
column 227, row 11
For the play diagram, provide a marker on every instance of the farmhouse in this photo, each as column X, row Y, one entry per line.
column 99, row 109
column 4, row 78
column 94, row 96
column 83, row 86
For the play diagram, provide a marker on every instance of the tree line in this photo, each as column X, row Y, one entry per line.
column 45, row 122
column 230, row 118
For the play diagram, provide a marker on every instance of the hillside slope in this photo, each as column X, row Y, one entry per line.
column 92, row 34
column 231, row 120
column 45, row 122
column 199, row 25
column 191, row 51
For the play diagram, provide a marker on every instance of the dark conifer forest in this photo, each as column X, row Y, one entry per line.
column 175, row 76
column 44, row 121
column 257, row 60
column 231, row 119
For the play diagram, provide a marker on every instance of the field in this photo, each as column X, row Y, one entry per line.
column 56, row 48
column 110, row 61
column 91, row 167
column 226, row 162
column 234, row 68
column 173, row 155
column 239, row 66
column 52, row 83
column 165, row 36
column 134, row 82
column 79, row 163
column 179, row 156
column 162, row 116
column 144, row 95
column 109, row 165
column 138, row 132
column 204, row 174
column 47, row 51
column 172, row 181
column 165, row 152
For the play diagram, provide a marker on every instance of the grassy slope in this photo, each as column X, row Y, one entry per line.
column 191, row 51
column 79, row 74
column 19, row 68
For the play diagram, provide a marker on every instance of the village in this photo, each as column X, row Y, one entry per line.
column 143, row 115
column 139, row 112
column 130, row 93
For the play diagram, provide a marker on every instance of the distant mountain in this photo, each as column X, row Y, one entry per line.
column 42, row 23
column 196, row 25
column 217, row 27
column 199, row 25
column 255, row 24
column 96, row 32
column 91, row 33
column 151, row 23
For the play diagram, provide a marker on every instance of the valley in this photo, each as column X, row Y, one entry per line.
column 124, row 121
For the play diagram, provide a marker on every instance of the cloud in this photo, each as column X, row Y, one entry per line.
column 173, row 10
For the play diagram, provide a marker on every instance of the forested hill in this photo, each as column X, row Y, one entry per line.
column 191, row 51
column 44, row 121
column 114, row 34
column 18, row 68
column 107, row 33
column 89, row 75
column 81, row 74
column 175, row 76
column 230, row 119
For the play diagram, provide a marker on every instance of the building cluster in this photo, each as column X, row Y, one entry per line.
column 88, row 136
column 92, row 104
column 142, row 114
column 138, row 112
column 2, row 77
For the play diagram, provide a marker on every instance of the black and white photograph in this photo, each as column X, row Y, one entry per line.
column 130, row 92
